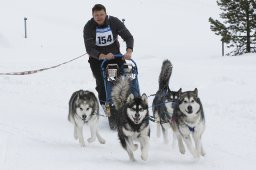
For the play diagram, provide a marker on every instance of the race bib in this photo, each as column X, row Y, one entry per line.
column 104, row 36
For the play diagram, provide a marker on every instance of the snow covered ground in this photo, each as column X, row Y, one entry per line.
column 34, row 131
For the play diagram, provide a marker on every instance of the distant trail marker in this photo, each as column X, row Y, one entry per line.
column 25, row 24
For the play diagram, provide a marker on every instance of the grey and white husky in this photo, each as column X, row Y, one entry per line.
column 84, row 109
column 188, row 120
column 132, row 119
column 165, row 101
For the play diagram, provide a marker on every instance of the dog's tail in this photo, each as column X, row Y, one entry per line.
column 120, row 93
column 165, row 74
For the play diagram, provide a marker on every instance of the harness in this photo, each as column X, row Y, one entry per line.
column 169, row 117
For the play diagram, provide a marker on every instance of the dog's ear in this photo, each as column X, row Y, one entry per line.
column 77, row 99
column 80, row 93
column 130, row 98
column 196, row 92
column 179, row 92
column 144, row 98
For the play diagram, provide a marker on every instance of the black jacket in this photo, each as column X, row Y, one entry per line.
column 117, row 27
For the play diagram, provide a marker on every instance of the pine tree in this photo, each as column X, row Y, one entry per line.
column 239, row 27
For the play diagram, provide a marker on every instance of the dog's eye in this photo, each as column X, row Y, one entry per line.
column 185, row 101
column 133, row 109
column 192, row 101
column 81, row 108
column 141, row 110
column 87, row 109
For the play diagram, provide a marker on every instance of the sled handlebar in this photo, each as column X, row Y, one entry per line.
column 118, row 55
column 121, row 56
column 105, row 61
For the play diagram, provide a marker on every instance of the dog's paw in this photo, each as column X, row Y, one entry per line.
column 203, row 153
column 90, row 140
column 144, row 156
column 195, row 154
column 82, row 144
column 132, row 159
column 134, row 147
column 182, row 150
column 102, row 141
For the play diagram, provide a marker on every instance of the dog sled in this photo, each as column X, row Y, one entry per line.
column 111, row 73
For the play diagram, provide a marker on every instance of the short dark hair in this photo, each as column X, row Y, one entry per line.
column 98, row 7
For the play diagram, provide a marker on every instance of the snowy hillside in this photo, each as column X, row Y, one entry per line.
column 34, row 130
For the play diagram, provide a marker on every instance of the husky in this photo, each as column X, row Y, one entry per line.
column 84, row 109
column 132, row 119
column 188, row 120
column 165, row 101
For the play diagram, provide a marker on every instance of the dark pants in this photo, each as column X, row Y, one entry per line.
column 96, row 70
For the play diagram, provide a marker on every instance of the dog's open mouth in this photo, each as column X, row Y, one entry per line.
column 136, row 120
column 85, row 120
column 189, row 111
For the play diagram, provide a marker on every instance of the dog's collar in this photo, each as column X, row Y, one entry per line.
column 192, row 129
column 191, row 126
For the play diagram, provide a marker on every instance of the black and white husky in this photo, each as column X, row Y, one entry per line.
column 84, row 109
column 132, row 119
column 165, row 101
column 188, row 120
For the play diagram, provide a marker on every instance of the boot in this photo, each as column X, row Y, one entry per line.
column 111, row 116
column 106, row 109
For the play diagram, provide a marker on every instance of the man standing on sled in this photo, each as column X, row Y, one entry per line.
column 100, row 39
